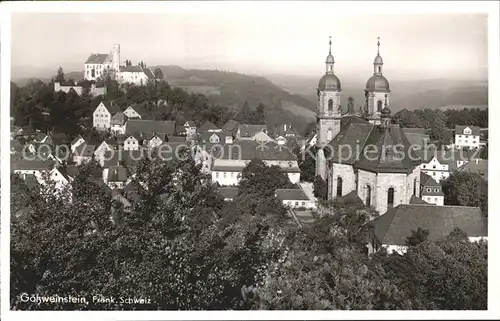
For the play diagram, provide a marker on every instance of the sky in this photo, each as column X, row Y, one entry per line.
column 412, row 45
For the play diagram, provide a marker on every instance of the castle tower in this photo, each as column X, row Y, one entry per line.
column 116, row 58
column 328, row 113
column 377, row 89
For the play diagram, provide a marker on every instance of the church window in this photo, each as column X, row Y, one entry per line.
column 339, row 186
column 415, row 187
column 368, row 195
column 390, row 197
column 330, row 105
column 379, row 105
column 379, row 69
column 329, row 135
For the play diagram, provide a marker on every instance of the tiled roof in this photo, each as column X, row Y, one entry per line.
column 352, row 198
column 397, row 223
column 134, row 126
column 426, row 180
column 97, row 59
column 84, row 150
column 432, row 191
column 239, row 168
column 118, row 119
column 291, row 194
column 385, row 159
column 149, row 73
column 416, row 200
column 409, row 130
column 418, row 139
column 231, row 125
column 130, row 69
column 228, row 192
column 111, row 107
column 478, row 166
column 130, row 157
column 349, row 142
column 24, row 164
column 448, row 157
column 248, row 150
column 31, row 181
column 248, row 131
column 176, row 139
column 459, row 130
column 206, row 126
column 205, row 136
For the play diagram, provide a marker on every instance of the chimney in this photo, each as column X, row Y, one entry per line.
column 285, row 127
column 229, row 139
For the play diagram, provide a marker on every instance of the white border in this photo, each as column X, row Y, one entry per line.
column 271, row 8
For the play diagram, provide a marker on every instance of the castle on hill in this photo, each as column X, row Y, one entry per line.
column 99, row 66
column 362, row 152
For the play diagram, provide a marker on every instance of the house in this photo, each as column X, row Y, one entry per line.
column 280, row 140
column 430, row 190
column 209, row 127
column 108, row 145
column 76, row 142
column 83, row 153
column 61, row 179
column 132, row 142
column 228, row 193
column 295, row 198
column 261, row 137
column 149, row 128
column 310, row 141
column 246, row 131
column 478, row 166
column 467, row 136
column 417, row 137
column 440, row 163
column 102, row 115
column 216, row 138
column 132, row 113
column 37, row 168
column 188, row 129
column 229, row 160
column 116, row 177
column 118, row 121
column 231, row 127
column 391, row 229
column 136, row 75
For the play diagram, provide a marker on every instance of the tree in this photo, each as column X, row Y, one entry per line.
column 320, row 188
column 407, row 118
column 417, row 237
column 60, row 76
column 158, row 74
column 466, row 189
column 259, row 179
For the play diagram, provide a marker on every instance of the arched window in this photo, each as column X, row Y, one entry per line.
column 390, row 197
column 379, row 69
column 329, row 135
column 415, row 187
column 379, row 105
column 339, row 186
column 330, row 105
column 368, row 195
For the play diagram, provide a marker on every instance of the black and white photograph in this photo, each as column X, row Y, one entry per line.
column 235, row 158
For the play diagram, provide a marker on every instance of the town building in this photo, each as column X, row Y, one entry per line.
column 467, row 136
column 391, row 230
column 102, row 115
column 132, row 113
column 366, row 153
column 295, row 198
column 430, row 190
column 246, row 131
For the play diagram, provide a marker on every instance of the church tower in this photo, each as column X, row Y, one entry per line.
column 116, row 58
column 328, row 113
column 377, row 89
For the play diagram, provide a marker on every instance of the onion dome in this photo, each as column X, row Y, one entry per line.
column 329, row 82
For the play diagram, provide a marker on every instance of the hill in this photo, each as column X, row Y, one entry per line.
column 409, row 94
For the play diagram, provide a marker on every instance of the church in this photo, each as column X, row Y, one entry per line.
column 364, row 152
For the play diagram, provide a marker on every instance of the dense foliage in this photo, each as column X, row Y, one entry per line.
column 183, row 247
column 466, row 189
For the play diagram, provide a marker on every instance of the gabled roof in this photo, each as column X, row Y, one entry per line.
column 478, row 166
column 228, row 192
column 111, row 107
column 249, row 149
column 131, row 69
column 397, row 223
column 149, row 73
column 352, row 198
column 247, row 130
column 166, row 127
column 97, row 59
column 31, row 181
column 118, row 119
column 75, row 140
column 23, row 164
column 231, row 125
column 459, row 130
column 206, row 126
column 416, row 200
column 291, row 194
column 410, row 130
column 130, row 157
column 445, row 157
column 205, row 136
column 84, row 150
column 418, row 139
column 391, row 152
column 426, row 180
